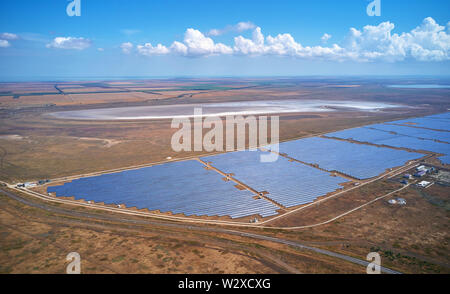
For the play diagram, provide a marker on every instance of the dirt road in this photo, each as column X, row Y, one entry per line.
column 189, row 227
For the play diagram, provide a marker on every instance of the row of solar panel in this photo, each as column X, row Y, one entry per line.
column 426, row 122
column 395, row 140
column 445, row 116
column 414, row 134
column 419, row 133
column 180, row 187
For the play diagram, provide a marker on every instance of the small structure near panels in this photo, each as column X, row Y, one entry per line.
column 397, row 201
column 424, row 184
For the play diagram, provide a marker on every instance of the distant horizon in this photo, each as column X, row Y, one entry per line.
column 200, row 77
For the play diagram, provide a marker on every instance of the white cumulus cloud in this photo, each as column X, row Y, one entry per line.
column 199, row 45
column 8, row 36
column 4, row 44
column 427, row 42
column 282, row 45
column 254, row 46
column 179, row 48
column 148, row 49
column 325, row 37
column 126, row 47
column 5, row 38
column 194, row 44
column 70, row 43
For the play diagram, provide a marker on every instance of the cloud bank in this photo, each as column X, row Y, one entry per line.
column 5, row 38
column 427, row 42
column 70, row 43
column 126, row 47
column 4, row 44
column 8, row 36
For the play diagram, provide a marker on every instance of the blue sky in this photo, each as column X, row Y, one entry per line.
column 30, row 50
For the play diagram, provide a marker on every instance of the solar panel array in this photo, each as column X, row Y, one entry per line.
column 356, row 160
column 445, row 159
column 288, row 183
column 414, row 132
column 426, row 122
column 363, row 134
column 180, row 187
column 187, row 187
column 366, row 134
column 417, row 144
column 445, row 115
column 406, row 136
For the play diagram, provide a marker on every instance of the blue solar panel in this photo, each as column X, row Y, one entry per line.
column 445, row 159
column 445, row 116
column 357, row 160
column 179, row 187
column 363, row 135
column 424, row 122
column 413, row 132
column 288, row 183
column 366, row 134
column 417, row 144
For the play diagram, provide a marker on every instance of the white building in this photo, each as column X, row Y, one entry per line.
column 423, row 184
column 421, row 168
column 29, row 185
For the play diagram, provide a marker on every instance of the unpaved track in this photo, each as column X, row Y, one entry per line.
column 267, row 259
column 349, row 211
column 191, row 227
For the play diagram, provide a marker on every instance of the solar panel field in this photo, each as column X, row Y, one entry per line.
column 436, row 123
column 356, row 160
column 400, row 134
column 189, row 188
column 179, row 187
column 288, row 183
column 414, row 132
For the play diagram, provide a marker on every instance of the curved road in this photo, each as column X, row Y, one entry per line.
column 191, row 227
